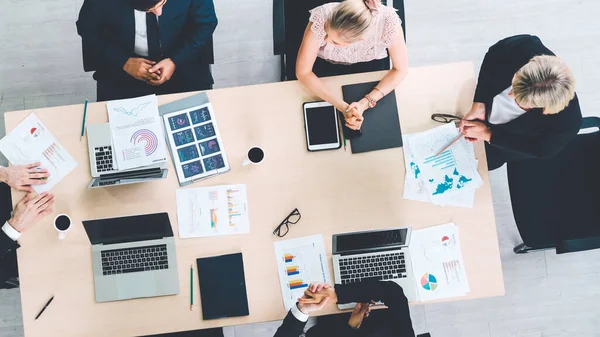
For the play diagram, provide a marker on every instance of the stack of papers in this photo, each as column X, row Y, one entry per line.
column 449, row 178
column 212, row 211
column 437, row 262
column 31, row 142
column 300, row 262
column 137, row 134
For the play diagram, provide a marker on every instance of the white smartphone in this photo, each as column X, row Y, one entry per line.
column 321, row 126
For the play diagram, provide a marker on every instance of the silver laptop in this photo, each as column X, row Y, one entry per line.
column 376, row 255
column 103, row 163
column 133, row 257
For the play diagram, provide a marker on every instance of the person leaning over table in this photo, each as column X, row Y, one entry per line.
column 133, row 57
column 27, row 212
column 391, row 322
column 347, row 35
column 525, row 104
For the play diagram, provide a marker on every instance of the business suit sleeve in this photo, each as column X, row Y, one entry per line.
column 6, row 245
column 201, row 28
column 291, row 327
column 89, row 27
column 390, row 293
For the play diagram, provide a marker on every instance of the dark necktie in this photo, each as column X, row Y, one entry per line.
column 154, row 52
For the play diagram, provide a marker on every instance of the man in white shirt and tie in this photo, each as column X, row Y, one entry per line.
column 132, row 56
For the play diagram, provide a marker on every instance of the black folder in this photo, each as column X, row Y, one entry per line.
column 381, row 127
column 222, row 286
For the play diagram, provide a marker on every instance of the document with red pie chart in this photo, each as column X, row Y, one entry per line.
column 137, row 133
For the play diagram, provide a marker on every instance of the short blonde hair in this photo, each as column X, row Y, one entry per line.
column 351, row 18
column 544, row 82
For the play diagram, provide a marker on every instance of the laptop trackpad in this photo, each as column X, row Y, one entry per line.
column 135, row 285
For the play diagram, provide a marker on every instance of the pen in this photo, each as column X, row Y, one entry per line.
column 446, row 148
column 44, row 308
column 84, row 117
column 191, row 287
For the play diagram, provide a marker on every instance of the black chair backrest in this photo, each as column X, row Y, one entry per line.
column 555, row 201
column 290, row 18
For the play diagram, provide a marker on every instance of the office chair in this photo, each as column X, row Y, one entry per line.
column 555, row 201
column 290, row 18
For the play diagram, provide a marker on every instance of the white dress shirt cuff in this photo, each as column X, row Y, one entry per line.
column 11, row 232
column 302, row 317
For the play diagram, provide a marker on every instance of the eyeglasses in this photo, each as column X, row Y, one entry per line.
column 284, row 226
column 445, row 118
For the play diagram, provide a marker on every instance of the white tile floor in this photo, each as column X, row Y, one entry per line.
column 546, row 294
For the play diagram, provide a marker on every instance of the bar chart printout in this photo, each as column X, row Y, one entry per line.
column 300, row 262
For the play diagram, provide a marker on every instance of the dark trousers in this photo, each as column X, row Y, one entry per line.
column 121, row 86
column 323, row 68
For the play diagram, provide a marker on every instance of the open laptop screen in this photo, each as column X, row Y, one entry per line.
column 129, row 229
column 371, row 240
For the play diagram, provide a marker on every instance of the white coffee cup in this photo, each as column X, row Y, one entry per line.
column 254, row 156
column 62, row 224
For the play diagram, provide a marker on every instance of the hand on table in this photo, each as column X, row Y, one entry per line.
column 354, row 114
column 316, row 297
column 138, row 68
column 164, row 69
column 21, row 177
column 360, row 312
column 30, row 210
column 477, row 113
column 474, row 131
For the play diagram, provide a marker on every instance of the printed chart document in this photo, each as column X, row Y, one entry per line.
column 211, row 211
column 31, row 142
column 300, row 262
column 449, row 178
column 137, row 133
column 437, row 262
column 196, row 143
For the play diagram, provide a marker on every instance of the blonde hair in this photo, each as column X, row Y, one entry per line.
column 352, row 18
column 545, row 82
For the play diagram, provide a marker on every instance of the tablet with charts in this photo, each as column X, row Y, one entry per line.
column 196, row 143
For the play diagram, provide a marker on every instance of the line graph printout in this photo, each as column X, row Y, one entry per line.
column 300, row 262
column 137, row 134
column 212, row 211
column 31, row 142
column 449, row 178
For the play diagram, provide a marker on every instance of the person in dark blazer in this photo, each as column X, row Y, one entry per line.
column 391, row 322
column 525, row 104
column 133, row 57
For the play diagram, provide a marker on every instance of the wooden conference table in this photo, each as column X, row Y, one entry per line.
column 335, row 191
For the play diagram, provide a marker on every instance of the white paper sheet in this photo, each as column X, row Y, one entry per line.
column 137, row 133
column 31, row 142
column 437, row 263
column 198, row 150
column 300, row 262
column 448, row 179
column 212, row 211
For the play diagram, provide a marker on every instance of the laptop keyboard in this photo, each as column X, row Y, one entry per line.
column 385, row 266
column 131, row 260
column 104, row 158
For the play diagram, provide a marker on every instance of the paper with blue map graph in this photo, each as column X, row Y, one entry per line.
column 449, row 178
column 137, row 134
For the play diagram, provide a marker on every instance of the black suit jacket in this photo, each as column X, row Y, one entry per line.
column 394, row 321
column 533, row 134
column 107, row 30
column 7, row 263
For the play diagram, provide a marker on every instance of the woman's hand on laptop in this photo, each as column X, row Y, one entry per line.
column 21, row 177
column 30, row 210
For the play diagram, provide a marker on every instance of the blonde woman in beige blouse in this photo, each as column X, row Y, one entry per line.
column 349, row 33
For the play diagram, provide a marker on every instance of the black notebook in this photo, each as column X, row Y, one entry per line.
column 381, row 127
column 222, row 286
